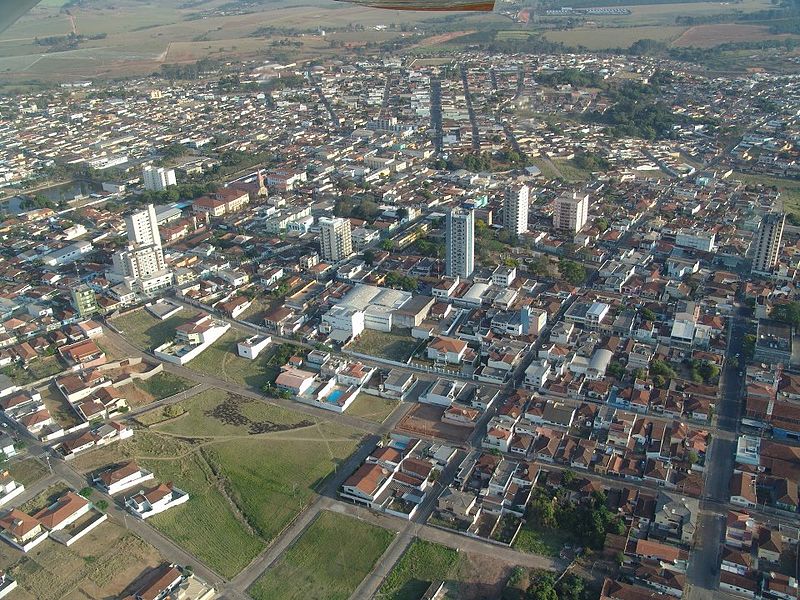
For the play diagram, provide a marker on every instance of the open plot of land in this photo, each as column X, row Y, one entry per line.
column 27, row 470
column 602, row 38
column 373, row 408
column 329, row 560
column 145, row 331
column 101, row 565
column 222, row 360
column 665, row 14
column 547, row 542
column 215, row 413
column 426, row 419
column 163, row 385
column 250, row 464
column 58, row 406
column 789, row 188
column 422, row 563
column 395, row 345
column 706, row 36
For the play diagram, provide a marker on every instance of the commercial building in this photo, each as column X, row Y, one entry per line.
column 336, row 241
column 571, row 212
column 156, row 179
column 460, row 243
column 697, row 240
column 768, row 242
column 515, row 209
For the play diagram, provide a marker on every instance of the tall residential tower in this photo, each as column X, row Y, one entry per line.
column 460, row 243
column 571, row 212
column 336, row 239
column 767, row 242
column 515, row 209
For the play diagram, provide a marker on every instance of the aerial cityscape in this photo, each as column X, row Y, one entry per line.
column 329, row 301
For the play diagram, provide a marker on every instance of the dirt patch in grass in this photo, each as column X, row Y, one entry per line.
column 27, row 471
column 372, row 408
column 425, row 419
column 395, row 345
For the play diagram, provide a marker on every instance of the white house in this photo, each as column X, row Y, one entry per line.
column 150, row 502
column 446, row 349
column 63, row 512
column 252, row 346
column 118, row 479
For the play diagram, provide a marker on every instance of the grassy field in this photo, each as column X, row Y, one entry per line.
column 222, row 360
column 396, row 345
column 544, row 542
column 27, row 470
column 99, row 566
column 216, row 413
column 421, row 564
column 252, row 465
column 163, row 385
column 372, row 408
column 329, row 560
column 145, row 331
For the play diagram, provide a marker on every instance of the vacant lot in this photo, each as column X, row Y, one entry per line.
column 252, row 465
column 426, row 419
column 373, row 408
column 26, row 471
column 163, row 385
column 222, row 360
column 329, row 560
column 397, row 345
column 58, row 406
column 99, row 566
column 421, row 564
column 706, row 36
column 145, row 331
column 547, row 542
column 789, row 188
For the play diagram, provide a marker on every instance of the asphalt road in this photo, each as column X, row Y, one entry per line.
column 704, row 559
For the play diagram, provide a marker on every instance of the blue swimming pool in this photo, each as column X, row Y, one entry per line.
column 334, row 396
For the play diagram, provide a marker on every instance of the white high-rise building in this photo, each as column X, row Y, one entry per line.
column 140, row 265
column 571, row 212
column 460, row 243
column 336, row 239
column 142, row 227
column 156, row 179
column 767, row 243
column 515, row 209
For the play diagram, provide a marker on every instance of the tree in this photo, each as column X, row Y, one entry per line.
column 602, row 224
column 86, row 492
column 402, row 213
column 101, row 505
column 574, row 273
column 647, row 314
column 387, row 245
column 369, row 257
column 615, row 369
column 542, row 588
column 788, row 313
column 568, row 478
column 571, row 587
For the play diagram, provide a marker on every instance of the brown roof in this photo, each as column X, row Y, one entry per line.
column 17, row 523
column 61, row 510
column 115, row 474
column 367, row 478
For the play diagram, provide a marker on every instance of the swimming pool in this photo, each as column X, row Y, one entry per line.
column 334, row 396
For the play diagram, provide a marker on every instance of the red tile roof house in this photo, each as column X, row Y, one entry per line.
column 21, row 531
column 83, row 355
column 63, row 512
column 157, row 499
column 118, row 479
column 161, row 584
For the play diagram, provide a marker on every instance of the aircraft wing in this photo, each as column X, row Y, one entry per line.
column 12, row 10
column 432, row 5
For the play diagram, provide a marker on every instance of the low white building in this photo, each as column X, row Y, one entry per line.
column 252, row 346
column 156, row 500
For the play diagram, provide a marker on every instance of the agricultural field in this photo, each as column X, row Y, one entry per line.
column 252, row 465
column 604, row 38
column 706, row 36
column 329, row 560
column 99, row 566
column 395, row 345
column 372, row 408
column 422, row 563
column 145, row 331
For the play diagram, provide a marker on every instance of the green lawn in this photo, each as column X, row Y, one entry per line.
column 538, row 541
column 422, row 563
column 397, row 345
column 40, row 368
column 145, row 331
column 329, row 560
column 164, row 385
column 372, row 408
